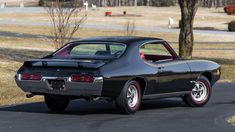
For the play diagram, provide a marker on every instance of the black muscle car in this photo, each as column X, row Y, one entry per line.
column 126, row 70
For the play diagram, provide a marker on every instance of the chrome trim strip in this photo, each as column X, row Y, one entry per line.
column 98, row 79
column 164, row 95
column 55, row 78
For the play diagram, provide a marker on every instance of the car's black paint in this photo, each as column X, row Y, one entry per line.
column 166, row 78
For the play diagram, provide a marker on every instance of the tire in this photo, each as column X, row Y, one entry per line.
column 56, row 103
column 200, row 94
column 129, row 99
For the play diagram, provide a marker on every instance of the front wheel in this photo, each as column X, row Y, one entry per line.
column 56, row 103
column 200, row 94
column 130, row 98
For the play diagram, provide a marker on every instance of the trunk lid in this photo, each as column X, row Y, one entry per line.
column 65, row 63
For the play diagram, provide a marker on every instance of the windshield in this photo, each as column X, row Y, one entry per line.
column 91, row 50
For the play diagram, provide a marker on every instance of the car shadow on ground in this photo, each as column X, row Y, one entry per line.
column 82, row 107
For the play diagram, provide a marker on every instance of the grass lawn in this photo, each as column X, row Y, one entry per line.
column 15, row 49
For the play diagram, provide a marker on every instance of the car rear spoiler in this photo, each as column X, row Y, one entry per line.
column 64, row 63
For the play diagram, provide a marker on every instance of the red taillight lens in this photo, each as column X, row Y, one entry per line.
column 87, row 78
column 34, row 76
column 82, row 78
column 75, row 78
column 26, row 76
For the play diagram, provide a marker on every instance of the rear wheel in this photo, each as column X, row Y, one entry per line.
column 56, row 103
column 200, row 94
column 130, row 98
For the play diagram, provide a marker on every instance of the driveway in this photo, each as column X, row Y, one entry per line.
column 167, row 115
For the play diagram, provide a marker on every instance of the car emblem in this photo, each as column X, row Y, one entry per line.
column 58, row 70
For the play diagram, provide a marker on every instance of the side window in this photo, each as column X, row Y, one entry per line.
column 155, row 52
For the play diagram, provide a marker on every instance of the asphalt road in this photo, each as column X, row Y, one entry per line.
column 168, row 115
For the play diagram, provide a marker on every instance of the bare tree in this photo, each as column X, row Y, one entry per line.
column 130, row 28
column 186, row 38
column 66, row 18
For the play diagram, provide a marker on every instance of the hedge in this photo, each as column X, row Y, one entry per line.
column 231, row 26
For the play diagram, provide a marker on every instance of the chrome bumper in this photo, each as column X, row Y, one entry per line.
column 71, row 88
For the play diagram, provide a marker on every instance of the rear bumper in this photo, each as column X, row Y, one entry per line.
column 71, row 88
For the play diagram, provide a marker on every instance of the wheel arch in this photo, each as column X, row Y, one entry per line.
column 142, row 81
column 208, row 75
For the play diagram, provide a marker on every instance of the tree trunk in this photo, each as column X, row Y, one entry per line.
column 188, row 11
column 148, row 2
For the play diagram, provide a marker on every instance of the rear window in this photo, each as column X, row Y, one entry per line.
column 91, row 50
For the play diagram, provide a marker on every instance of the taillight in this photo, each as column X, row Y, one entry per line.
column 87, row 78
column 33, row 76
column 75, row 78
column 25, row 76
column 37, row 77
column 82, row 78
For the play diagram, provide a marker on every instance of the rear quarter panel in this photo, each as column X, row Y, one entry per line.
column 199, row 67
column 128, row 66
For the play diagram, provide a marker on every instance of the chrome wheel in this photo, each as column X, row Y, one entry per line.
column 129, row 99
column 132, row 96
column 199, row 92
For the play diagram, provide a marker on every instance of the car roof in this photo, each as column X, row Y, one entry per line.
column 120, row 39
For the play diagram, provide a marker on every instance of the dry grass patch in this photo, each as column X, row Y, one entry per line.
column 86, row 32
column 10, row 61
column 228, row 73
column 25, row 43
column 10, row 93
